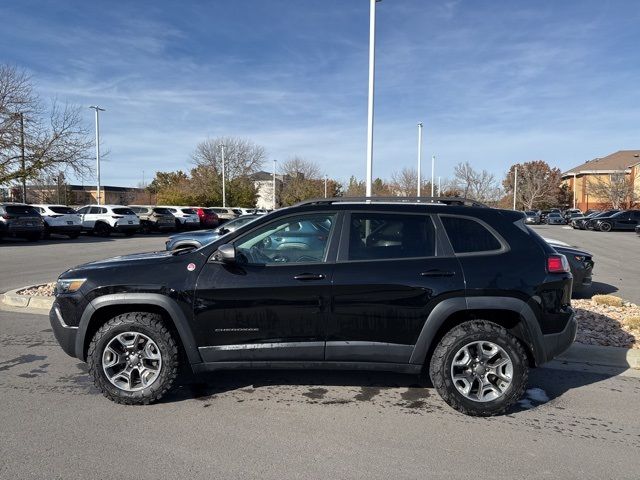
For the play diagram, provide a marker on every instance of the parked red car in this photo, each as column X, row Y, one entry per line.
column 208, row 218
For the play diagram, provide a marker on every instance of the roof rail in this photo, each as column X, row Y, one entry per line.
column 458, row 201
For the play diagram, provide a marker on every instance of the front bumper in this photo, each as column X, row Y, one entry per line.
column 65, row 334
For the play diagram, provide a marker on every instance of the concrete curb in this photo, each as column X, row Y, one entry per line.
column 602, row 356
column 26, row 302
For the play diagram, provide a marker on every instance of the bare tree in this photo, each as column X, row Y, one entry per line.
column 302, row 180
column 478, row 185
column 53, row 139
column 404, row 183
column 241, row 157
column 617, row 189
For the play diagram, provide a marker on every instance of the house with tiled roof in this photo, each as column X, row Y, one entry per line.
column 585, row 181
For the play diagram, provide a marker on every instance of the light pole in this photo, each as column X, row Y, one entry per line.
column 224, row 191
column 419, row 157
column 439, row 190
column 515, row 186
column 372, row 67
column 574, row 191
column 433, row 172
column 274, row 184
column 325, row 185
column 24, row 167
column 97, row 110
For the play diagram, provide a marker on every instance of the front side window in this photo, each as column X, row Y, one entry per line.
column 468, row 235
column 383, row 236
column 296, row 239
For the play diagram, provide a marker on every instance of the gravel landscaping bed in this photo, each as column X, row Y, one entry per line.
column 616, row 325
column 45, row 290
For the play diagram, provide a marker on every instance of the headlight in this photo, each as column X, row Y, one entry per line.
column 69, row 285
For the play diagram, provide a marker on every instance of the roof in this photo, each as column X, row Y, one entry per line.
column 621, row 160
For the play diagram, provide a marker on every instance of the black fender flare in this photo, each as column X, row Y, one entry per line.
column 176, row 315
column 528, row 330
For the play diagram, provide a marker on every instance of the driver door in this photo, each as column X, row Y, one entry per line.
column 272, row 303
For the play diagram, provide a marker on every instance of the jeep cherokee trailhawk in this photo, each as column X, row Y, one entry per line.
column 464, row 293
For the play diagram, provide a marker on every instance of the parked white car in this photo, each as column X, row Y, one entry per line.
column 224, row 213
column 186, row 217
column 59, row 219
column 105, row 219
column 243, row 211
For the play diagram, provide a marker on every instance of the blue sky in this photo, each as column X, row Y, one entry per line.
column 495, row 82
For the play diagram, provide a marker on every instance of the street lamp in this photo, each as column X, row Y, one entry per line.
column 515, row 186
column 224, row 191
column 325, row 185
column 274, row 184
column 419, row 157
column 372, row 66
column 433, row 172
column 97, row 110
column 574, row 191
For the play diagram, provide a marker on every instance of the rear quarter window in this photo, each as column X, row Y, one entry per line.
column 20, row 210
column 123, row 211
column 62, row 210
column 469, row 236
column 188, row 211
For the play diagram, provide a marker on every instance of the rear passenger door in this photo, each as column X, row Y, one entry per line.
column 391, row 271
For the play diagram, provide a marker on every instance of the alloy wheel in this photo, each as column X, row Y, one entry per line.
column 482, row 371
column 132, row 361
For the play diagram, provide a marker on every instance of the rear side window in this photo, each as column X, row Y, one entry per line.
column 123, row 211
column 162, row 211
column 382, row 236
column 63, row 210
column 188, row 211
column 469, row 236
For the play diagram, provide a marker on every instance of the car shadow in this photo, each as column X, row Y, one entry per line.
column 596, row 288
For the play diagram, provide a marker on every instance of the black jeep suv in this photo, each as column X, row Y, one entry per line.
column 465, row 293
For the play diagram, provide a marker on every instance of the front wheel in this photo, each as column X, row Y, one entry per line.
column 479, row 368
column 605, row 227
column 133, row 358
column 102, row 229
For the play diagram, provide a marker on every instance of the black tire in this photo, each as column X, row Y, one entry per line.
column 73, row 236
column 145, row 228
column 178, row 226
column 46, row 234
column 129, row 233
column 151, row 325
column 102, row 229
column 452, row 342
column 605, row 227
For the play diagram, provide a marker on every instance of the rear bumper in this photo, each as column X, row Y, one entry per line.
column 126, row 228
column 65, row 228
column 555, row 343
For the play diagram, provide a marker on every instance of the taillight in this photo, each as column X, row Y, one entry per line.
column 117, row 216
column 557, row 264
column 55, row 216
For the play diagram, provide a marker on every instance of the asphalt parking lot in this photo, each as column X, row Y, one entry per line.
column 54, row 424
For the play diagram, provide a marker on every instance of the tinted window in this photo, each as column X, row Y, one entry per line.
column 379, row 236
column 83, row 210
column 188, row 211
column 162, row 211
column 95, row 210
column 20, row 210
column 62, row 210
column 123, row 211
column 297, row 239
column 467, row 235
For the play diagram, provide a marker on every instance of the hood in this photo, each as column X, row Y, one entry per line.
column 570, row 251
column 198, row 234
column 136, row 258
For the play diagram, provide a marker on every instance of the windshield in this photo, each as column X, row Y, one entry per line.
column 20, row 210
column 62, row 210
column 123, row 211
column 162, row 211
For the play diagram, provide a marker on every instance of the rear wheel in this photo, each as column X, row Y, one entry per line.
column 129, row 233
column 145, row 228
column 133, row 358
column 102, row 229
column 479, row 368
column 74, row 235
column 33, row 237
column 46, row 233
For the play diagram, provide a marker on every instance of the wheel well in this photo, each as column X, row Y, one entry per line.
column 509, row 319
column 104, row 314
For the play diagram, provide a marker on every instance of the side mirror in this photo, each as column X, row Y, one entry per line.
column 223, row 231
column 226, row 253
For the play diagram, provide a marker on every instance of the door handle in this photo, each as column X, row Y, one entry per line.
column 438, row 273
column 309, row 276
